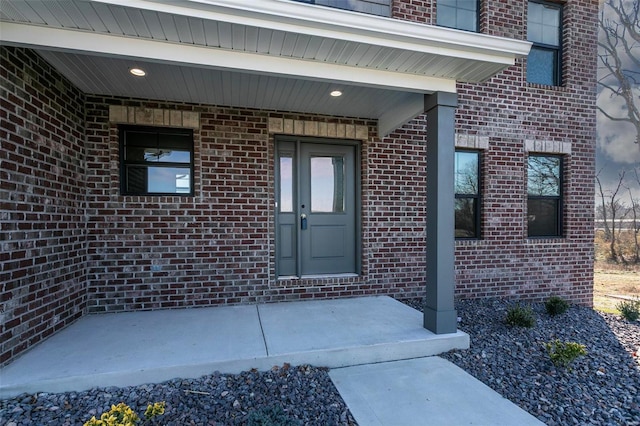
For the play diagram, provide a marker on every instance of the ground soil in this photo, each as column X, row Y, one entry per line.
column 613, row 280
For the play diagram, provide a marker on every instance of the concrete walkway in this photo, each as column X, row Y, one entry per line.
column 423, row 391
column 143, row 347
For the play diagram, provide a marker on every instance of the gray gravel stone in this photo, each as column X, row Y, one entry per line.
column 305, row 393
column 599, row 388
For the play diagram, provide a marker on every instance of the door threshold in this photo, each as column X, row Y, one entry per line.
column 309, row 277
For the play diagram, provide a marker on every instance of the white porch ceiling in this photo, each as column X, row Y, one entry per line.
column 267, row 54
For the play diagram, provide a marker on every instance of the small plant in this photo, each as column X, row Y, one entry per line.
column 564, row 353
column 520, row 316
column 123, row 415
column 270, row 416
column 629, row 309
column 556, row 305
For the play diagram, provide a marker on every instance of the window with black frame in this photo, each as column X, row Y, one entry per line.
column 459, row 14
column 544, row 30
column 544, row 187
column 467, row 193
column 156, row 161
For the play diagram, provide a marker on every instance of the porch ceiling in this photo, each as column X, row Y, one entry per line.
column 267, row 54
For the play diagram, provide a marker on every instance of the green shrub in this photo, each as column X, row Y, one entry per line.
column 556, row 305
column 520, row 316
column 629, row 309
column 270, row 416
column 123, row 415
column 564, row 353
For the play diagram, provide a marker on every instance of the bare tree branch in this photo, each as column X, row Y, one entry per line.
column 620, row 38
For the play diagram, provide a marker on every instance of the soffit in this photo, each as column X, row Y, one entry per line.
column 301, row 49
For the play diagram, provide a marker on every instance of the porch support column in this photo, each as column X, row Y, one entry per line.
column 440, row 316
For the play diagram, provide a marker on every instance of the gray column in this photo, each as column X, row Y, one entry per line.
column 439, row 313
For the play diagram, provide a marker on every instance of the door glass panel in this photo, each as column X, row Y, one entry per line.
column 286, row 184
column 327, row 184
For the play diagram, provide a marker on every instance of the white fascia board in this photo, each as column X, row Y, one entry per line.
column 181, row 54
column 290, row 16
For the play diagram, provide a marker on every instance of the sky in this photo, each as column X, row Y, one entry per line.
column 616, row 147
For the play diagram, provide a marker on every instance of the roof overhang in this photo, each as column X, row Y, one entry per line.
column 390, row 64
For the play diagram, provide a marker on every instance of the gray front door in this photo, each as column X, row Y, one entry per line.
column 316, row 231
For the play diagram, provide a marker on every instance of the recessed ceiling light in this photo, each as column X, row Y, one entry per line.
column 336, row 93
column 138, row 72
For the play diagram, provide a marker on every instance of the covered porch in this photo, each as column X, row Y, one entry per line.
column 134, row 348
column 275, row 56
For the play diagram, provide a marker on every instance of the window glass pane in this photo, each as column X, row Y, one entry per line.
column 446, row 16
column 543, row 217
column 551, row 16
column 534, row 32
column 467, row 5
column 156, row 160
column 466, row 173
column 543, row 24
column 544, row 176
column 155, row 155
column 174, row 140
column 173, row 156
column 460, row 14
column 140, row 138
column 465, row 217
column 541, row 66
column 136, row 179
column 168, row 180
column 466, row 20
column 286, row 184
column 327, row 184
column 534, row 19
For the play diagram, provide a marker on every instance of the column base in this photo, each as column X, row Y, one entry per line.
column 440, row 322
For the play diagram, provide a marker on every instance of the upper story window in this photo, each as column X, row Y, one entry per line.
column 373, row 7
column 156, row 161
column 544, row 188
column 467, row 189
column 459, row 14
column 544, row 30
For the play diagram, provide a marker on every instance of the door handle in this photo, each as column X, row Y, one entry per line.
column 303, row 221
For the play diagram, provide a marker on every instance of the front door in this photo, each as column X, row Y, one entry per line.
column 316, row 209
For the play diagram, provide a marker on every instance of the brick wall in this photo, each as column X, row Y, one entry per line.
column 510, row 112
column 218, row 246
column 42, row 258
column 72, row 244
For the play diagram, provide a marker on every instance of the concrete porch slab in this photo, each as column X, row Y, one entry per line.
column 429, row 391
column 133, row 348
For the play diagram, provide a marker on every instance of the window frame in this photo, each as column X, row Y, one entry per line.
column 477, row 196
column 559, row 228
column 557, row 50
column 124, row 163
column 477, row 26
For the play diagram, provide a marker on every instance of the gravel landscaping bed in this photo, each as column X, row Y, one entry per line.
column 305, row 394
column 600, row 388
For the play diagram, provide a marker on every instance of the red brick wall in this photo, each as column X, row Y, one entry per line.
column 218, row 246
column 71, row 243
column 42, row 258
column 509, row 111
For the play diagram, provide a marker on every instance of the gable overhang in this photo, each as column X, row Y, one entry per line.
column 388, row 63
